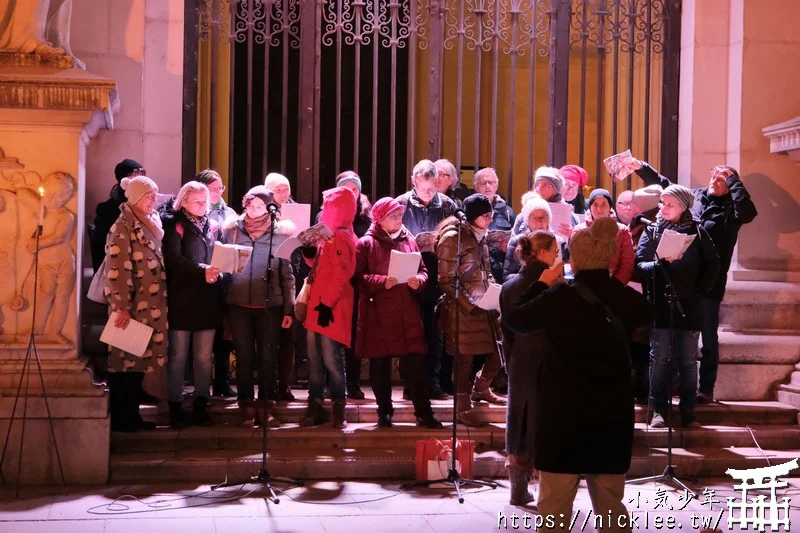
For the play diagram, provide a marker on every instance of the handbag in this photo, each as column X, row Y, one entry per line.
column 301, row 301
column 433, row 458
column 96, row 292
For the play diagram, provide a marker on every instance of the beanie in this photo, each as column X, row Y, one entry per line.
column 351, row 177
column 575, row 173
column 137, row 187
column 552, row 175
column 682, row 194
column 647, row 198
column 476, row 205
column 259, row 191
column 594, row 248
column 383, row 207
column 125, row 167
column 535, row 204
column 274, row 179
column 598, row 193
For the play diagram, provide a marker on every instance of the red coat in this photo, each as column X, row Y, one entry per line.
column 389, row 321
column 335, row 267
column 622, row 263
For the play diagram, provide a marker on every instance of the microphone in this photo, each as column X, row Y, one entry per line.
column 646, row 222
column 272, row 207
column 460, row 215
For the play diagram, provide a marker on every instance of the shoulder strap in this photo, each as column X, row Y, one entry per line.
column 179, row 228
column 588, row 295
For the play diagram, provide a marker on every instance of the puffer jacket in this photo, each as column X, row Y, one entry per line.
column 248, row 289
column 477, row 327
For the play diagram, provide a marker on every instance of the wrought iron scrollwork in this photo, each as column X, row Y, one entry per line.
column 263, row 21
column 632, row 24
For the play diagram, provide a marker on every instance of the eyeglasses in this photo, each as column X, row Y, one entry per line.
column 486, row 183
column 623, row 204
column 221, row 188
column 540, row 220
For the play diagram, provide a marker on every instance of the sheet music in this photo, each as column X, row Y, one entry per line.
column 491, row 298
column 299, row 214
column 673, row 244
column 621, row 165
column 230, row 258
column 403, row 266
column 561, row 214
column 133, row 339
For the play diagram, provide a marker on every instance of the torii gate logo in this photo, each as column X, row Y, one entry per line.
column 758, row 512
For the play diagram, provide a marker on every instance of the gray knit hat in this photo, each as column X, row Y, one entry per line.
column 552, row 175
column 594, row 248
column 682, row 194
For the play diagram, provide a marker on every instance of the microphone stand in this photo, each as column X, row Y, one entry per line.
column 26, row 369
column 669, row 474
column 452, row 474
column 263, row 477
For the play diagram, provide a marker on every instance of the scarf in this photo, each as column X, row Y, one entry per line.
column 683, row 225
column 256, row 227
column 200, row 222
column 151, row 223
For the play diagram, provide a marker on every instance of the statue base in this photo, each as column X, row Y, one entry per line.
column 63, row 61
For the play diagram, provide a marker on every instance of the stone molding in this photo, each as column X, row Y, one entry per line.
column 784, row 138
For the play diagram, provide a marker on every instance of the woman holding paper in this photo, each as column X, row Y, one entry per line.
column 389, row 314
column 195, row 298
column 255, row 328
column 692, row 275
column 136, row 287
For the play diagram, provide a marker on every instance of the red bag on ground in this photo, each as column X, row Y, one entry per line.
column 433, row 458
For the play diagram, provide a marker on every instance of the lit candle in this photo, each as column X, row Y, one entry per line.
column 41, row 206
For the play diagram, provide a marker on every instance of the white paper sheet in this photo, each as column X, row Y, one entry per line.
column 299, row 214
column 230, row 258
column 491, row 298
column 561, row 214
column 621, row 165
column 403, row 266
column 673, row 244
column 287, row 247
column 133, row 339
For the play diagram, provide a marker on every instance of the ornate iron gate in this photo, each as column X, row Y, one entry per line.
column 312, row 88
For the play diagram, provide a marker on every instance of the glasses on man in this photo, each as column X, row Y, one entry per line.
column 623, row 204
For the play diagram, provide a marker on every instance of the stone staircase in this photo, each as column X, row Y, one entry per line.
column 734, row 435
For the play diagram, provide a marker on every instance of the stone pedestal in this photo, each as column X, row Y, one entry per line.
column 49, row 112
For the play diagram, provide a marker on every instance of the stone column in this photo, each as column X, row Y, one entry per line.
column 49, row 112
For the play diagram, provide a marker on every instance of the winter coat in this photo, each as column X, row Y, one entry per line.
column 622, row 263
column 721, row 217
column 459, row 193
column 580, row 204
column 523, row 361
column 692, row 276
column 137, row 283
column 502, row 219
column 512, row 264
column 336, row 263
column 105, row 215
column 389, row 321
column 249, row 289
column 475, row 329
column 520, row 226
column 221, row 213
column 584, row 396
column 193, row 304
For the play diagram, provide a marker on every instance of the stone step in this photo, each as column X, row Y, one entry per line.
column 363, row 436
column 761, row 306
column 398, row 463
column 790, row 395
column 719, row 413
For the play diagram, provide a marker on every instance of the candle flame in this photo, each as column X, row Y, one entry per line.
column 41, row 191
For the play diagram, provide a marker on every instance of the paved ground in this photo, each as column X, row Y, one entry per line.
column 336, row 507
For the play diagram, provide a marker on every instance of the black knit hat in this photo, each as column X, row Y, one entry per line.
column 259, row 191
column 125, row 167
column 601, row 193
column 476, row 205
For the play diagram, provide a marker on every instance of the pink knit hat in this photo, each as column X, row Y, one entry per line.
column 383, row 207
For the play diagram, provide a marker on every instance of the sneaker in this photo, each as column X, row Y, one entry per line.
column 657, row 421
column 704, row 398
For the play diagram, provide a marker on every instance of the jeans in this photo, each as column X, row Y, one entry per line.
column 256, row 347
column 710, row 350
column 222, row 354
column 324, row 353
column 661, row 370
column 202, row 347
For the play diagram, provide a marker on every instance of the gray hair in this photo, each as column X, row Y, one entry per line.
column 444, row 165
column 426, row 169
column 188, row 188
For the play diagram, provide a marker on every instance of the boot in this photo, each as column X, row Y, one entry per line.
column 176, row 415
column 482, row 392
column 315, row 413
column 385, row 417
column 520, row 495
column 354, row 391
column 200, row 416
column 262, row 414
column 429, row 422
column 338, row 421
column 247, row 409
column 223, row 389
column 464, row 411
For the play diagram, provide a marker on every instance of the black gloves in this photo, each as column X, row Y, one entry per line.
column 325, row 317
column 309, row 252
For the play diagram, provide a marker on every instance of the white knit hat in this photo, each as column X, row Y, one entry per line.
column 274, row 179
column 137, row 187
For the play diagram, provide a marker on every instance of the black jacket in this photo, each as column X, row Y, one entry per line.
column 105, row 215
column 502, row 219
column 693, row 276
column 721, row 217
column 459, row 193
column 193, row 303
column 584, row 407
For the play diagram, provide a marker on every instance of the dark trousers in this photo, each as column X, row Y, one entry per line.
column 256, row 341
column 286, row 341
column 640, row 363
column 435, row 346
column 352, row 364
column 125, row 389
column 710, row 350
column 222, row 361
column 463, row 368
column 412, row 366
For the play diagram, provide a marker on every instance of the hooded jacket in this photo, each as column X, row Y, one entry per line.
column 335, row 265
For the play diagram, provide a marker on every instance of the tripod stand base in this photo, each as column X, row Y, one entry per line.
column 668, row 476
column 455, row 478
column 261, row 478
